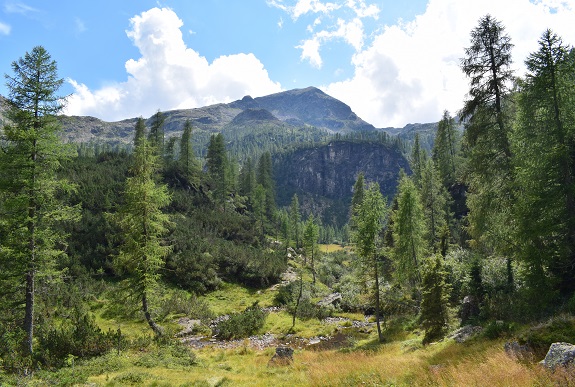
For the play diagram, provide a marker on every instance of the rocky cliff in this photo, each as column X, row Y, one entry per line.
column 323, row 176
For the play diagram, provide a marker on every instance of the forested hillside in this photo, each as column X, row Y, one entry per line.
column 194, row 240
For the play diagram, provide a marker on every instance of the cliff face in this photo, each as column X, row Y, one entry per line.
column 323, row 176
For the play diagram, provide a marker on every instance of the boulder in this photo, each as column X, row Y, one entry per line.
column 283, row 356
column 465, row 333
column 559, row 354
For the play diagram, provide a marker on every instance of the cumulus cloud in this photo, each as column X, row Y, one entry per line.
column 4, row 29
column 410, row 71
column 169, row 75
column 303, row 7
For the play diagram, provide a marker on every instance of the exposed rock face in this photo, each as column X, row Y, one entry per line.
column 326, row 174
column 465, row 333
column 560, row 354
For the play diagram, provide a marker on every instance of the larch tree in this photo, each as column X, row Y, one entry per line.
column 143, row 225
column 409, row 228
column 487, row 64
column 543, row 146
column 30, row 189
column 217, row 164
column 156, row 135
column 369, row 221
column 445, row 149
column 187, row 159
column 310, row 239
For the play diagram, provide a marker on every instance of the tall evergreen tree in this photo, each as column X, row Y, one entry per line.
column 144, row 225
column 435, row 296
column 369, row 222
column 417, row 160
column 310, row 238
column 30, row 189
column 217, row 163
column 488, row 66
column 187, row 159
column 358, row 195
column 543, row 145
column 435, row 205
column 409, row 244
column 247, row 181
column 445, row 149
column 264, row 177
column 295, row 220
column 156, row 135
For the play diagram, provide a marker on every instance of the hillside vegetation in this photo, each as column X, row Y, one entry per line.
column 378, row 260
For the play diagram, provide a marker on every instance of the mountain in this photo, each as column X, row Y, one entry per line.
column 323, row 176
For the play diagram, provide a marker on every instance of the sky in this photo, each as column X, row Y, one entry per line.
column 393, row 62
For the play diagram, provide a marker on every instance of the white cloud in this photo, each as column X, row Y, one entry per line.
column 169, row 75
column 410, row 71
column 5, row 29
column 17, row 7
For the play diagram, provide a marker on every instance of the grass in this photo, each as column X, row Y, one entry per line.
column 236, row 298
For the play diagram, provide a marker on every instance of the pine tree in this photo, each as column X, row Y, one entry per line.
column 369, row 222
column 143, row 225
column 417, row 160
column 435, row 296
column 30, row 189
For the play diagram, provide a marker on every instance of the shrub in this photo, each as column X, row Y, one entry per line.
column 243, row 324
column 80, row 336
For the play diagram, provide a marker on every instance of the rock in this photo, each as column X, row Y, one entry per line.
column 330, row 300
column 188, row 326
column 465, row 333
column 517, row 351
column 559, row 354
column 469, row 308
column 282, row 357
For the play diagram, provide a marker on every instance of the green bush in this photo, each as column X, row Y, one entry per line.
column 79, row 336
column 558, row 329
column 243, row 324
column 497, row 329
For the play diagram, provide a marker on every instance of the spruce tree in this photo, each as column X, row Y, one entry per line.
column 187, row 159
column 217, row 164
column 30, row 189
column 435, row 296
column 156, row 135
column 445, row 149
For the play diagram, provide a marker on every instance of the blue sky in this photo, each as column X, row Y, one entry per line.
column 394, row 62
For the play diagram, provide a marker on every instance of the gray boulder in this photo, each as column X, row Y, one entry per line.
column 283, row 356
column 332, row 299
column 559, row 354
column 465, row 333
column 518, row 351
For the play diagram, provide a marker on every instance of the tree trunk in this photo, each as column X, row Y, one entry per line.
column 377, row 309
column 298, row 299
column 29, row 310
column 155, row 327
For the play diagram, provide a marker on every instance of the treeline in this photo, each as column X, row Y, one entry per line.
column 488, row 216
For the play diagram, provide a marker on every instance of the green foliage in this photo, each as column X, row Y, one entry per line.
column 171, row 356
column 217, row 165
column 295, row 221
column 78, row 336
column 435, row 297
column 557, row 329
column 409, row 244
column 446, row 150
column 31, row 193
column 310, row 238
column 240, row 325
column 143, row 224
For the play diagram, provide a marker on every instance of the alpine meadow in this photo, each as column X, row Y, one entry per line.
column 282, row 240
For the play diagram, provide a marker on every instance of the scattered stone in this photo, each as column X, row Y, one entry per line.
column 465, row 333
column 188, row 326
column 560, row 354
column 331, row 299
column 517, row 351
column 282, row 357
